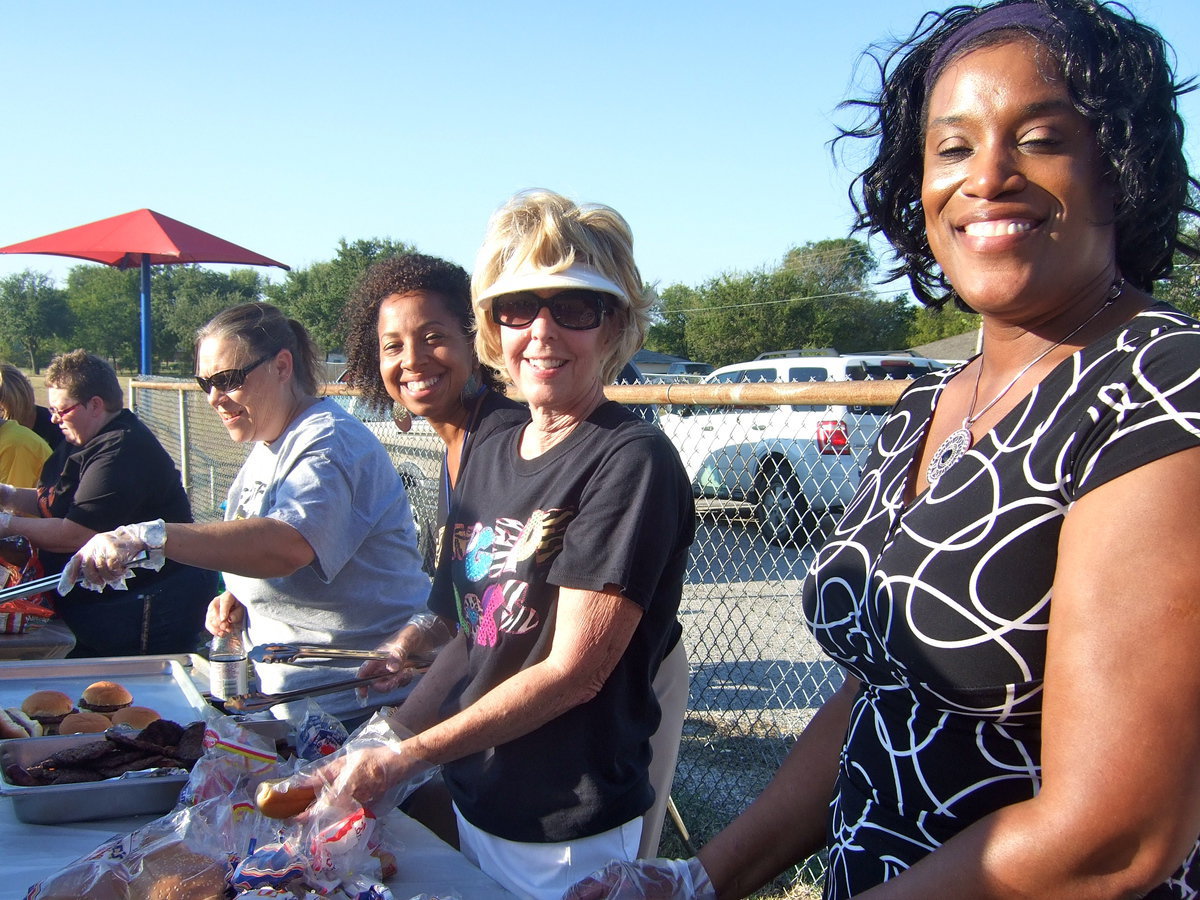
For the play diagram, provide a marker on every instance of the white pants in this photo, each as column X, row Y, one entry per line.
column 545, row 871
column 671, row 690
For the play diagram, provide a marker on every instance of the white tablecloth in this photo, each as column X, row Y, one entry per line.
column 31, row 852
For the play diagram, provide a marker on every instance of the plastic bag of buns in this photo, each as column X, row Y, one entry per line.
column 233, row 756
column 214, row 845
column 177, row 857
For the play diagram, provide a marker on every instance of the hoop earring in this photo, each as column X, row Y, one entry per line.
column 401, row 417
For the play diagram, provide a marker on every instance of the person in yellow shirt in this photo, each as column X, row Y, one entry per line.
column 22, row 452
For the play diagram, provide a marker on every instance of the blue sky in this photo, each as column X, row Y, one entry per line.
column 286, row 126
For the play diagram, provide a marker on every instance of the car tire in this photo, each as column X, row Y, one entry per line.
column 782, row 508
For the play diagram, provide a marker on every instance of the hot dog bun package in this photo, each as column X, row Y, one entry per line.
column 216, row 843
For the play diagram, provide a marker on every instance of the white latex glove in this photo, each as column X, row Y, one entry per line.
column 645, row 879
column 106, row 559
column 410, row 651
column 372, row 767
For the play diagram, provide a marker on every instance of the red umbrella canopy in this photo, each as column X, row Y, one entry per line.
column 123, row 240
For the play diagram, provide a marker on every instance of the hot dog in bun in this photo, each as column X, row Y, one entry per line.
column 277, row 803
column 16, row 724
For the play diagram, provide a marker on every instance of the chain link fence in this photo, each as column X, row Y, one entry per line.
column 771, row 465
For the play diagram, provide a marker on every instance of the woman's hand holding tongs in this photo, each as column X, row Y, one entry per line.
column 107, row 558
column 419, row 640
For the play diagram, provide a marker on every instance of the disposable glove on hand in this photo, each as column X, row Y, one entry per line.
column 373, row 767
column 409, row 652
column 645, row 879
column 8, row 494
column 106, row 559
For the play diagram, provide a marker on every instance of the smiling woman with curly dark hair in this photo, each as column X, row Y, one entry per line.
column 399, row 276
column 1116, row 72
column 1018, row 715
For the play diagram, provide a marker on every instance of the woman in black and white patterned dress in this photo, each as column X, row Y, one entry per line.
column 1014, row 593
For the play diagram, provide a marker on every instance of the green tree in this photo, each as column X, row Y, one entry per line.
column 185, row 297
column 668, row 332
column 32, row 311
column 317, row 295
column 105, row 305
column 818, row 297
column 929, row 325
column 839, row 265
column 1182, row 289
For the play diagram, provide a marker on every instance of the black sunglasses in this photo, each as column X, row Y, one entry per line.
column 230, row 379
column 578, row 310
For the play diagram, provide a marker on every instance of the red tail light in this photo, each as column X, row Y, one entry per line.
column 832, row 438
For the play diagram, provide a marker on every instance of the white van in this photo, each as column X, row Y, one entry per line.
column 794, row 463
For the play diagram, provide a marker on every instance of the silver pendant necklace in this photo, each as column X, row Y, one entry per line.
column 955, row 447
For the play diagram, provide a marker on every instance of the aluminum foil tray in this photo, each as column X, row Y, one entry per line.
column 56, row 803
column 161, row 682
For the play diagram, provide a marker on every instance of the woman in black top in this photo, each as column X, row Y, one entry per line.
column 110, row 469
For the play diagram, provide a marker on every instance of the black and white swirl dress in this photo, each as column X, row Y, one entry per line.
column 941, row 608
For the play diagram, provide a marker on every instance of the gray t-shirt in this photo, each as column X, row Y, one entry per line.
column 329, row 478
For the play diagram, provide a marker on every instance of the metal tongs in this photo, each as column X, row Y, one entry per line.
column 256, row 701
column 29, row 588
column 50, row 582
column 286, row 653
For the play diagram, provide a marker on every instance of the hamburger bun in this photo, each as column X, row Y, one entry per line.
column 173, row 872
column 105, row 697
column 84, row 723
column 47, row 707
column 283, row 804
column 15, row 724
column 137, row 717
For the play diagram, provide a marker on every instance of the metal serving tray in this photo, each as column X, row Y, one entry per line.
column 55, row 803
column 161, row 682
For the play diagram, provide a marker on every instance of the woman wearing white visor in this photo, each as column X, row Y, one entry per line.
column 566, row 550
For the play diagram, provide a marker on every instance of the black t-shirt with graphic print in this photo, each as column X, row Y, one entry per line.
column 610, row 505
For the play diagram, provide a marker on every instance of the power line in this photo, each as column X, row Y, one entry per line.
column 702, row 309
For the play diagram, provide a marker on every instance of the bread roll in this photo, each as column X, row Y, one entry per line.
column 48, row 707
column 174, row 872
column 84, row 723
column 105, row 697
column 135, row 716
column 283, row 804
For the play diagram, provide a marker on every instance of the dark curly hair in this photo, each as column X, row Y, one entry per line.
column 1118, row 73
column 400, row 275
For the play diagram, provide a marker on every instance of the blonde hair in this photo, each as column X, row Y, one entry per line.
column 545, row 231
column 16, row 396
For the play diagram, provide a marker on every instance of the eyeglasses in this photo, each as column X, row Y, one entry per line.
column 61, row 414
column 578, row 310
column 230, row 379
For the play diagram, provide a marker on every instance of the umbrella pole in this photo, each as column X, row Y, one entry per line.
column 146, row 356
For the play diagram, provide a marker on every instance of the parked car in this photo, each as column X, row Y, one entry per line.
column 794, row 463
column 681, row 371
column 687, row 367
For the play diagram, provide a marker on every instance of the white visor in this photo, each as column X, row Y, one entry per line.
column 529, row 279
